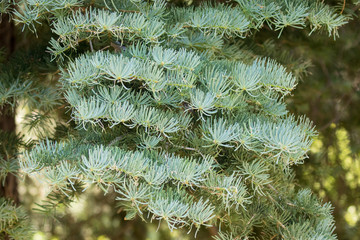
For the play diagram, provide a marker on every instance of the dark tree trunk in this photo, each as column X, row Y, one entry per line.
column 7, row 116
column 7, row 124
column 7, row 34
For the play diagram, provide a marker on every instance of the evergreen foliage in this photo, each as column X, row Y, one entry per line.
column 14, row 222
column 168, row 111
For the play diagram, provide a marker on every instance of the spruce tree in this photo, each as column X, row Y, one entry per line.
column 163, row 103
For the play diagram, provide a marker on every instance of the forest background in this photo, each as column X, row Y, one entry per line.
column 328, row 94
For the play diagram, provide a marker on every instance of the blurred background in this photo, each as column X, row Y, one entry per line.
column 328, row 93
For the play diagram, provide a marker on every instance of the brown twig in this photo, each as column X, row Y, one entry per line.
column 343, row 7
